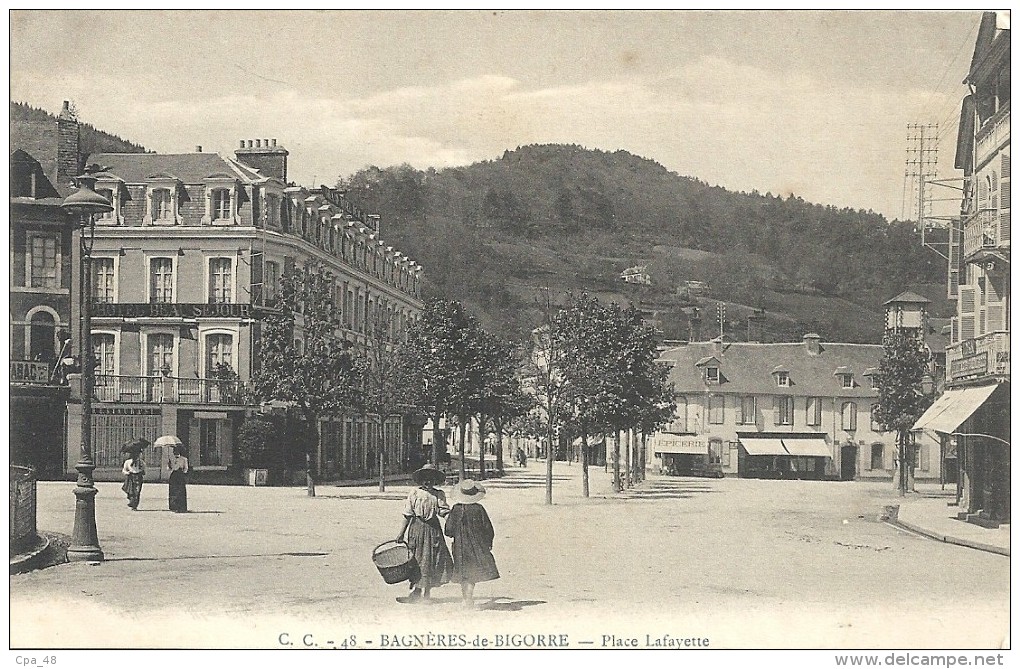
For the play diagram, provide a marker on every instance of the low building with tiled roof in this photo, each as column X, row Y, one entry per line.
column 786, row 410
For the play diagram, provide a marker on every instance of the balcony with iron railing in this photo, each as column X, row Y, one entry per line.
column 992, row 134
column 986, row 229
column 168, row 390
column 984, row 356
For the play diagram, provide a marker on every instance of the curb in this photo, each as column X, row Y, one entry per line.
column 28, row 560
column 988, row 548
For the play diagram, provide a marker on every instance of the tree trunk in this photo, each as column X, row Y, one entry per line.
column 481, row 446
column 462, row 428
column 549, row 465
column 499, row 445
column 435, row 439
column 310, row 480
column 617, row 484
column 644, row 456
column 628, row 460
column 902, row 453
column 382, row 451
column 584, row 459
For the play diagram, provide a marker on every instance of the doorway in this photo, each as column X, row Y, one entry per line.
column 848, row 462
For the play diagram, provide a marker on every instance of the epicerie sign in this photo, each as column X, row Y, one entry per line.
column 166, row 310
column 29, row 371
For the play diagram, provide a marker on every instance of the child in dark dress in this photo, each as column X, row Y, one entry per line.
column 469, row 526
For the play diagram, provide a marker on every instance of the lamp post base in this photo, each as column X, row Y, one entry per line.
column 85, row 538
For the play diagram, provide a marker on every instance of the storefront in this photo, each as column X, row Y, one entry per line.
column 786, row 456
column 680, row 456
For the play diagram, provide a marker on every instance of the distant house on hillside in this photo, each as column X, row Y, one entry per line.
column 637, row 274
column 693, row 289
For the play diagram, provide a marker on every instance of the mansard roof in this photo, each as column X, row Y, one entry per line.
column 748, row 368
column 189, row 168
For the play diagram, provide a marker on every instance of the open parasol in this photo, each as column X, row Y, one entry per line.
column 168, row 440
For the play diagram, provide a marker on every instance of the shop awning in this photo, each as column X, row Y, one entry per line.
column 676, row 446
column 954, row 407
column 811, row 447
column 764, row 446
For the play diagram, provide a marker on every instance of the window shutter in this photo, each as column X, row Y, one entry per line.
column 1004, row 195
column 955, row 323
column 1005, row 166
column 925, row 459
column 967, row 312
column 954, row 283
column 982, row 193
column 738, row 410
column 777, row 409
column 1004, row 226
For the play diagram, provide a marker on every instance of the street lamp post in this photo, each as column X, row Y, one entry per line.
column 83, row 205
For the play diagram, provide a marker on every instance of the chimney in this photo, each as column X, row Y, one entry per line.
column 198, row 148
column 813, row 343
column 269, row 159
column 717, row 345
column 68, row 146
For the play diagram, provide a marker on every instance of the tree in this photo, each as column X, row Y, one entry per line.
column 544, row 382
column 319, row 375
column 901, row 400
column 386, row 391
column 500, row 396
column 434, row 362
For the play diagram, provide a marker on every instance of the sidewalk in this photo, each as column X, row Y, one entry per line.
column 932, row 517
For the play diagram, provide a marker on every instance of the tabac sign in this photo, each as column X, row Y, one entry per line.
column 159, row 310
column 29, row 371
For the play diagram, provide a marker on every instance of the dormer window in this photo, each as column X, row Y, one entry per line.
column 712, row 374
column 845, row 376
column 783, row 379
column 161, row 205
column 108, row 216
column 110, row 187
column 221, row 202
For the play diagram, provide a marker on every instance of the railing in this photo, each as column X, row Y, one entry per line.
column 984, row 230
column 22, row 494
column 992, row 134
column 982, row 356
column 167, row 389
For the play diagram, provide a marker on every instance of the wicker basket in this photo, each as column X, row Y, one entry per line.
column 396, row 562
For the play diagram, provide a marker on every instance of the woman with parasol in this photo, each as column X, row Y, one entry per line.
column 134, row 471
column 425, row 505
column 177, row 463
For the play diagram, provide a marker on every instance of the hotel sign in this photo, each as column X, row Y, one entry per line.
column 972, row 365
column 28, row 371
column 161, row 310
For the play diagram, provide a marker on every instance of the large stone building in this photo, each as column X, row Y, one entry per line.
column 972, row 416
column 184, row 268
column 787, row 410
column 43, row 252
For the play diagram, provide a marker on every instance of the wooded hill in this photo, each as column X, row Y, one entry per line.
column 495, row 234
column 35, row 131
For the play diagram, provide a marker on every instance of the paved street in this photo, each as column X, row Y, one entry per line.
column 745, row 563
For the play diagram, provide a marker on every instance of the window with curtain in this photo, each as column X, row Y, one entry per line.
column 162, row 205
column 103, row 347
column 44, row 267
column 102, row 280
column 221, row 281
column 160, row 353
column 221, row 204
column 747, row 410
column 783, row 410
column 161, row 280
column 219, row 350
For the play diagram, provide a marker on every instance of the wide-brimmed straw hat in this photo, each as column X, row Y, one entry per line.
column 134, row 446
column 429, row 474
column 469, row 491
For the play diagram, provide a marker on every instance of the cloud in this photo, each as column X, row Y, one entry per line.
column 732, row 124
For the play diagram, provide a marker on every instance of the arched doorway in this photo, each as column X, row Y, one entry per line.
column 42, row 337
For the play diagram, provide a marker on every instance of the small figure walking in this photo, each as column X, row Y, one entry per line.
column 522, row 459
column 425, row 505
column 469, row 526
column 134, row 471
column 178, row 489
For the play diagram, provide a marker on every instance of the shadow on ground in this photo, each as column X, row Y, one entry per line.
column 213, row 557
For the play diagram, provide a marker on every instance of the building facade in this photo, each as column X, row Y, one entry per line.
column 972, row 416
column 787, row 410
column 184, row 269
column 43, row 247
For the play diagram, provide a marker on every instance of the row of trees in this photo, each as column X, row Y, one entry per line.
column 593, row 370
column 589, row 370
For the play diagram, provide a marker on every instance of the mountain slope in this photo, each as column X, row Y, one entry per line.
column 497, row 233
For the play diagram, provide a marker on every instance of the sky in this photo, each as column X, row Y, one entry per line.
column 811, row 103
